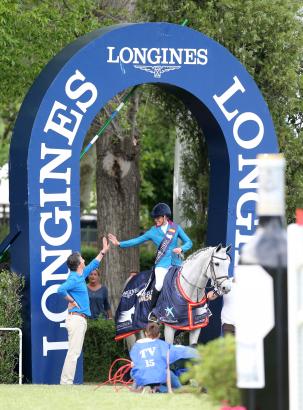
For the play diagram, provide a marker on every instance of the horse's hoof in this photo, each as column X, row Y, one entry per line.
column 152, row 318
column 194, row 345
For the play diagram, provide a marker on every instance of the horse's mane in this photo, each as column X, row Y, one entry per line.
column 194, row 255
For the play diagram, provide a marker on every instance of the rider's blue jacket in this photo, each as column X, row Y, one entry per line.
column 156, row 235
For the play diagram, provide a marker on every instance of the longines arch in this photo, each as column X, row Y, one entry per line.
column 53, row 121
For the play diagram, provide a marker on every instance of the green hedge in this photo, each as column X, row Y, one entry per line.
column 11, row 286
column 216, row 370
column 100, row 350
column 89, row 253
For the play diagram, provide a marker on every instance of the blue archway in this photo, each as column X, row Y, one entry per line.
column 54, row 119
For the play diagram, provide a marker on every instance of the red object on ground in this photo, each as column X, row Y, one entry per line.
column 299, row 216
column 119, row 375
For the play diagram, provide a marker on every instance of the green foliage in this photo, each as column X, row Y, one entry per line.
column 216, row 370
column 4, row 231
column 3, row 143
column 100, row 350
column 89, row 253
column 10, row 316
column 31, row 33
column 4, row 259
column 157, row 140
column 268, row 43
column 266, row 36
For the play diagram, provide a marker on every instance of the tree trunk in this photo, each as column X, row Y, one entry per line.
column 118, row 184
column 88, row 167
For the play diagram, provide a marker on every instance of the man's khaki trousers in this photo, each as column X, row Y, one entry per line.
column 76, row 327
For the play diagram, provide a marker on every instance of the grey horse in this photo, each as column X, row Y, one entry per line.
column 206, row 264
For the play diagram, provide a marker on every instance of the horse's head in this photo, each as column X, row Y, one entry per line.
column 210, row 263
column 219, row 264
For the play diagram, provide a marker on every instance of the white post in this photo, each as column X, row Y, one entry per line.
column 295, row 315
column 16, row 329
column 179, row 184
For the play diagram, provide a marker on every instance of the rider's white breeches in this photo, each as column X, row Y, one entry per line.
column 160, row 275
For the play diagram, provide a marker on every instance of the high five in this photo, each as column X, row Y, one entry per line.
column 164, row 234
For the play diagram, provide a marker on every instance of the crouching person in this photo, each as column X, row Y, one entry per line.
column 150, row 362
column 74, row 290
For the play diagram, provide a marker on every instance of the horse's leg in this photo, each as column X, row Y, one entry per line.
column 169, row 334
column 130, row 341
column 140, row 335
column 193, row 337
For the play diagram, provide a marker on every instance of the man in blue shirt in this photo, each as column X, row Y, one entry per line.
column 164, row 234
column 74, row 290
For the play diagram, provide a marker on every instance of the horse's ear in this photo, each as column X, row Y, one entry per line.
column 228, row 248
column 219, row 247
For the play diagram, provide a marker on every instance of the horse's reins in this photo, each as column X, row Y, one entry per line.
column 212, row 271
column 192, row 284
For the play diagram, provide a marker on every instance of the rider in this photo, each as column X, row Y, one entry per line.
column 164, row 234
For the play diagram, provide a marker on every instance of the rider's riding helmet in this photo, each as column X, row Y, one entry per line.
column 160, row 209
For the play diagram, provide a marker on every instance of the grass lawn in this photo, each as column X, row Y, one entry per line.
column 44, row 397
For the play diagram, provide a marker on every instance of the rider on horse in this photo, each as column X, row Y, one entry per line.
column 164, row 234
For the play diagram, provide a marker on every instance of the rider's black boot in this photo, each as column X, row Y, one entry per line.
column 155, row 295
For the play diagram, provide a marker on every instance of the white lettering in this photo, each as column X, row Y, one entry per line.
column 53, row 345
column 150, row 351
column 241, row 239
column 237, row 86
column 110, row 55
column 123, row 54
column 140, row 55
column 175, row 54
column 59, row 215
column 61, row 197
column 242, row 118
column 87, row 87
column 153, row 56
column 202, row 56
column 157, row 56
column 61, row 156
column 59, row 127
column 190, row 56
column 150, row 363
column 164, row 56
column 61, row 257
column 241, row 220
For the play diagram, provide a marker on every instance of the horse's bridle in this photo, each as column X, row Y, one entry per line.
column 213, row 277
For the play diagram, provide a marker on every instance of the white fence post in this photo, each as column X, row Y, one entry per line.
column 295, row 315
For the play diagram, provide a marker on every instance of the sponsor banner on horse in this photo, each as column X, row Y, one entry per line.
column 134, row 306
column 175, row 309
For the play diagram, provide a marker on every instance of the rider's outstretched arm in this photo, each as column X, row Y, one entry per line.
column 135, row 241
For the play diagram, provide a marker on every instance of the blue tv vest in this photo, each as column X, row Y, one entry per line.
column 149, row 358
